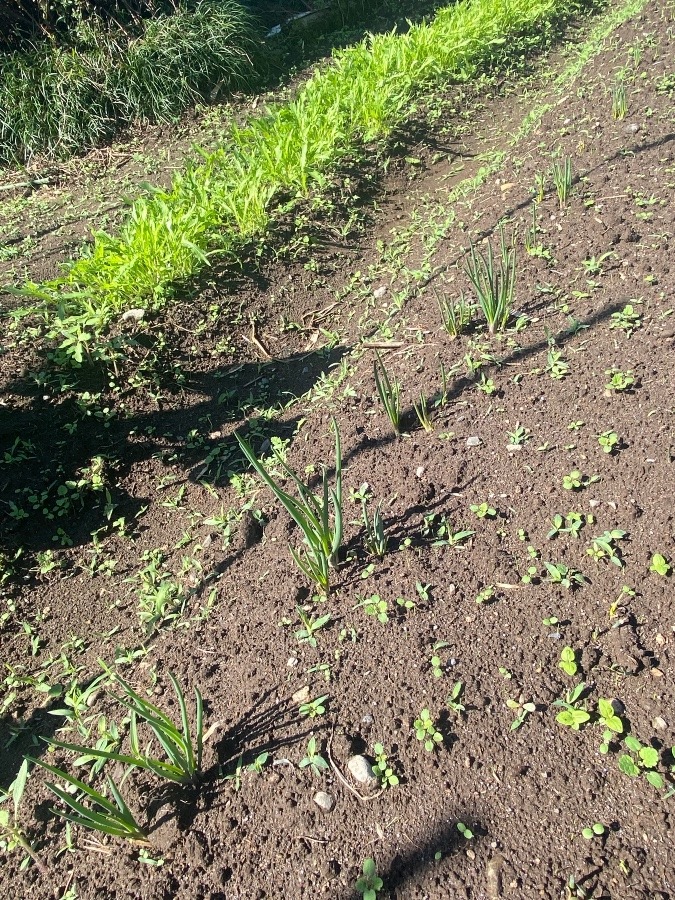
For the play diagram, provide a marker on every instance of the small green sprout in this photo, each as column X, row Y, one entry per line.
column 619, row 381
column 523, row 709
column 375, row 606
column 609, row 441
column 313, row 759
column 611, row 722
column 660, row 565
column 573, row 716
column 603, row 546
column 425, row 731
column 568, row 661
column 643, row 761
column 596, row 830
column 382, row 769
column 483, row 511
column 369, row 883
column 454, row 697
column 305, row 635
column 314, row 708
column 575, row 480
column 466, row 832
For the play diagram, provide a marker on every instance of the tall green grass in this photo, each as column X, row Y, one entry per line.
column 218, row 204
column 57, row 101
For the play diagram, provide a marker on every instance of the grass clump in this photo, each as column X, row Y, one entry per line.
column 58, row 100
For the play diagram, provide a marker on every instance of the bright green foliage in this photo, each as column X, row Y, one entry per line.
column 369, row 883
column 311, row 514
column 568, row 661
column 641, row 760
column 382, row 768
column 660, row 565
column 219, row 204
column 425, row 731
column 573, row 715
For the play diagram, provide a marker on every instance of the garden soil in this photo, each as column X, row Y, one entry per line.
column 298, row 333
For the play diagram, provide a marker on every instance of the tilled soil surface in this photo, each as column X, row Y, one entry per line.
column 518, row 414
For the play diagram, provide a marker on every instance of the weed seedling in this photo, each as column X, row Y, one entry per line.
column 641, row 760
column 487, row 385
column 568, row 661
column 626, row 319
column 305, row 635
column 425, row 731
column 523, row 708
column 556, row 366
column 660, row 565
column 483, row 511
column 518, row 436
column 559, row 573
column 389, row 393
column 576, row 481
column 603, row 546
column 609, row 441
column 423, row 591
column 375, row 606
column 465, row 831
column 382, row 770
column 453, row 698
column 611, row 723
column 314, row 708
column 573, row 715
column 313, row 759
column 369, row 883
column 12, row 836
column 619, row 381
column 596, row 830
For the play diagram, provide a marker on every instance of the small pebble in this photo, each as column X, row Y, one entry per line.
column 302, row 695
column 361, row 770
column 659, row 724
column 324, row 801
column 367, row 720
column 473, row 441
column 379, row 292
column 292, row 662
column 133, row 315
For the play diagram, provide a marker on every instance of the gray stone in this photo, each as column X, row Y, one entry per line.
column 473, row 441
column 324, row 801
column 133, row 315
column 361, row 770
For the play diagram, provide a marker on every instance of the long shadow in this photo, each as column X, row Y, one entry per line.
column 191, row 436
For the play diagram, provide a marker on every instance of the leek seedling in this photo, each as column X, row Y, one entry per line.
column 619, row 101
column 423, row 414
column 184, row 754
column 375, row 539
column 113, row 818
column 494, row 287
column 310, row 513
column 455, row 314
column 390, row 395
column 562, row 179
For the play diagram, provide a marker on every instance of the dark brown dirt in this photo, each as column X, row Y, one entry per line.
column 172, row 469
